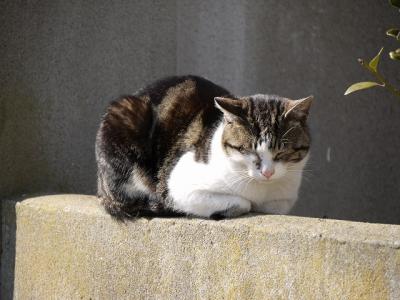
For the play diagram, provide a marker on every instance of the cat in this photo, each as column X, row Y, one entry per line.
column 184, row 145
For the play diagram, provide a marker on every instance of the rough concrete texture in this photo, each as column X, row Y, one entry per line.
column 68, row 248
column 62, row 61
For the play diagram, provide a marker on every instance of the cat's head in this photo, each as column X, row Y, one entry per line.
column 265, row 136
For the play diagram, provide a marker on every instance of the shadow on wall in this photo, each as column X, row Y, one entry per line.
column 2, row 116
column 20, row 129
column 23, row 160
column 7, row 261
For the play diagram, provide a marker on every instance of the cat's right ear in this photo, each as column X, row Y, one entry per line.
column 233, row 109
column 299, row 108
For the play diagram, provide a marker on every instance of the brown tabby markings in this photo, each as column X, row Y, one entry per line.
column 127, row 126
column 132, row 116
column 288, row 133
column 178, row 106
column 141, row 137
column 185, row 117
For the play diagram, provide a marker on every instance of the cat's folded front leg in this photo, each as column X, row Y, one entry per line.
column 206, row 204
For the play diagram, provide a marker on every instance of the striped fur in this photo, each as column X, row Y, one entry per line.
column 143, row 139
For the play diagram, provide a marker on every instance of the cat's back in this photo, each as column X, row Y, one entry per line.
column 181, row 90
column 179, row 99
column 142, row 136
column 185, row 109
column 169, row 104
column 173, row 110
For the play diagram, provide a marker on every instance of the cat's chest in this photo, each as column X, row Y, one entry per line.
column 189, row 175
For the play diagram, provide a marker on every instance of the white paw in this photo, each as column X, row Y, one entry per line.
column 236, row 207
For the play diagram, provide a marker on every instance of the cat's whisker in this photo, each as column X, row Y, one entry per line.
column 301, row 173
column 287, row 131
column 240, row 172
column 236, row 182
column 297, row 169
column 248, row 182
column 239, row 183
column 199, row 165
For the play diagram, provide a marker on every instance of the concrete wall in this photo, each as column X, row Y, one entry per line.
column 257, row 257
column 62, row 61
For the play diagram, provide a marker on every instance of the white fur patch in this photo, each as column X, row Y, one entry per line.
column 267, row 163
column 203, row 189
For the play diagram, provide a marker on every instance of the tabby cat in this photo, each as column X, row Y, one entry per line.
column 188, row 146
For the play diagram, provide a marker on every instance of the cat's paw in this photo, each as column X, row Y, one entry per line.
column 235, row 210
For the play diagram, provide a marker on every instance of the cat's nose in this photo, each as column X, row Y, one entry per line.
column 268, row 173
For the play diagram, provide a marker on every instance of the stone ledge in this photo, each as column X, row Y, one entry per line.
column 67, row 246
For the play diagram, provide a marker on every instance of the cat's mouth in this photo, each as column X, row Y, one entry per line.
column 265, row 180
column 262, row 180
column 260, row 177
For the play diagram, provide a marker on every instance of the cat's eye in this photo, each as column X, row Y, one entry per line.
column 242, row 149
column 279, row 155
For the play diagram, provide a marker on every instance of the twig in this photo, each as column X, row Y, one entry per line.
column 380, row 78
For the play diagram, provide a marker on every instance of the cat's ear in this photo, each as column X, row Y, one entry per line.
column 232, row 108
column 298, row 108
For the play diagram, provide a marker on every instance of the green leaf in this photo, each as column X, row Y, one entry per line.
column 360, row 86
column 395, row 3
column 395, row 55
column 394, row 32
column 375, row 61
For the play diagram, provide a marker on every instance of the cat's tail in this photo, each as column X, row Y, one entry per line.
column 126, row 191
column 122, row 196
column 123, row 149
column 126, row 186
column 132, row 208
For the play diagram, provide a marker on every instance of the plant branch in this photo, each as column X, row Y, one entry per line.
column 380, row 78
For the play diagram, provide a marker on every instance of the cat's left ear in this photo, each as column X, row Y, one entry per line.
column 232, row 108
column 298, row 108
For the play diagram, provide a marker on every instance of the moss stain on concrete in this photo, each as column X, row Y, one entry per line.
column 70, row 248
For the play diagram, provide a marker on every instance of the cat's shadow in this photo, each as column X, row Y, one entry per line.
column 174, row 215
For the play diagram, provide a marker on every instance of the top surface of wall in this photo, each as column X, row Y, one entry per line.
column 66, row 246
column 62, row 61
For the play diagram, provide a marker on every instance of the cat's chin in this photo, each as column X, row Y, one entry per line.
column 259, row 178
column 269, row 181
column 262, row 180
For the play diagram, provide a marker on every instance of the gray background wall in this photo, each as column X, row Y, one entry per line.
column 61, row 62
